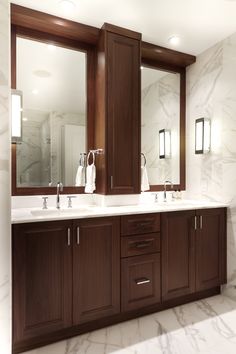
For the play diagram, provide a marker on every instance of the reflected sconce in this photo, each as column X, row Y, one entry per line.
column 164, row 144
column 202, row 136
column 16, row 115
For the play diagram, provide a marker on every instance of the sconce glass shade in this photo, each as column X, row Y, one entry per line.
column 16, row 115
column 164, row 144
column 202, row 136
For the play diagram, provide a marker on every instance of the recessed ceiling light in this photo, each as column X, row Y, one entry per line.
column 67, row 6
column 174, row 40
column 35, row 91
column 51, row 47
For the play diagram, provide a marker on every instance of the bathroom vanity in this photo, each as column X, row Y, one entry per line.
column 76, row 274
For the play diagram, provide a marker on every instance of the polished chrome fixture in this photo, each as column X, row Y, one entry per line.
column 202, row 136
column 164, row 144
column 70, row 197
column 165, row 183
column 45, row 204
column 16, row 115
column 59, row 189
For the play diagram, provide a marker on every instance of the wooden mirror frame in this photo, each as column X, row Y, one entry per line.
column 151, row 55
column 46, row 28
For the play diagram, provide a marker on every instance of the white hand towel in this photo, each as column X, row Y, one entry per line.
column 144, row 179
column 90, row 178
column 80, row 177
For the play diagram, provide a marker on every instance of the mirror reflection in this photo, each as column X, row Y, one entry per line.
column 53, row 82
column 160, row 128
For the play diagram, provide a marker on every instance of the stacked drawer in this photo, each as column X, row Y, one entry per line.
column 140, row 264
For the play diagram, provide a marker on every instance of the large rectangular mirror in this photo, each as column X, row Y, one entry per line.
column 161, row 125
column 52, row 80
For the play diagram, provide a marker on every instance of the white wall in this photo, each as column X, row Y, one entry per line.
column 211, row 92
column 5, row 259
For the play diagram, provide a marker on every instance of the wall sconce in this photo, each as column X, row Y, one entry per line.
column 202, row 136
column 164, row 144
column 16, row 115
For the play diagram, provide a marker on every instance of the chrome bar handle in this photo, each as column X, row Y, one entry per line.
column 201, row 222
column 195, row 223
column 142, row 281
column 68, row 236
column 77, row 236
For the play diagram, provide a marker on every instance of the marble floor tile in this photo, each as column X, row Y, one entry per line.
column 207, row 327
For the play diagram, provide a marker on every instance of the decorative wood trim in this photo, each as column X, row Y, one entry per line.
column 122, row 31
column 61, row 40
column 40, row 21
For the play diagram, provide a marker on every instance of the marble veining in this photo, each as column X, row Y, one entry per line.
column 207, row 326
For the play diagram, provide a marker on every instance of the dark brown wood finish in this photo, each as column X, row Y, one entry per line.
column 42, row 278
column 140, row 281
column 40, row 21
column 178, row 260
column 117, row 128
column 96, row 269
column 140, row 244
column 210, row 248
column 140, row 224
column 63, row 41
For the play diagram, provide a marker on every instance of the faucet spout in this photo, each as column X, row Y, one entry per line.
column 59, row 189
column 165, row 183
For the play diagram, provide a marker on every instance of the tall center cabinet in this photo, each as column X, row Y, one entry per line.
column 118, row 111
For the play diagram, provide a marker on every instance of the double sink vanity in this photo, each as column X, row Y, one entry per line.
column 79, row 268
column 82, row 268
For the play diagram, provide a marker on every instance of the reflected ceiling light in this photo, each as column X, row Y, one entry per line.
column 35, row 91
column 42, row 73
column 51, row 47
column 24, row 119
column 67, row 6
column 16, row 115
column 202, row 136
column 141, row 67
column 174, row 40
column 164, row 144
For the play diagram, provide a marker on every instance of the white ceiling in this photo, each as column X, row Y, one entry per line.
column 199, row 23
column 59, row 76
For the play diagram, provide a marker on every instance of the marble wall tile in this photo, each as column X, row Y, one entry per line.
column 211, row 92
column 5, row 318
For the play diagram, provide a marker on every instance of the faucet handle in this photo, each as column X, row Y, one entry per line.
column 70, row 197
column 155, row 197
column 45, row 204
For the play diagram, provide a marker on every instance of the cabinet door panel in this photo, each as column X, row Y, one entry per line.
column 210, row 249
column 42, row 279
column 96, row 275
column 178, row 264
column 123, row 70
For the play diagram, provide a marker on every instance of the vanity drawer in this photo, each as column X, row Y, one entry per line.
column 141, row 244
column 140, row 224
column 140, row 281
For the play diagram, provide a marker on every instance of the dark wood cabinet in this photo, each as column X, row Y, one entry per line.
column 118, row 122
column 193, row 251
column 42, row 278
column 96, row 269
column 140, row 281
column 210, row 248
column 178, row 264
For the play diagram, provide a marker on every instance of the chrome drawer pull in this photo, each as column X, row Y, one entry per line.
column 201, row 222
column 142, row 281
column 143, row 244
column 68, row 237
column 77, row 237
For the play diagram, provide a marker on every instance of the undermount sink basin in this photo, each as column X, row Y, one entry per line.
column 58, row 212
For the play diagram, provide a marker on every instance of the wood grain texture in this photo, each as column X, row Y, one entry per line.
column 210, row 248
column 96, row 269
column 140, row 224
column 178, row 259
column 133, row 271
column 42, row 279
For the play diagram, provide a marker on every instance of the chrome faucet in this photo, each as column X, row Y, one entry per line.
column 59, row 189
column 165, row 183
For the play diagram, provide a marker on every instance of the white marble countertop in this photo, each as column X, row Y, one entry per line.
column 25, row 215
